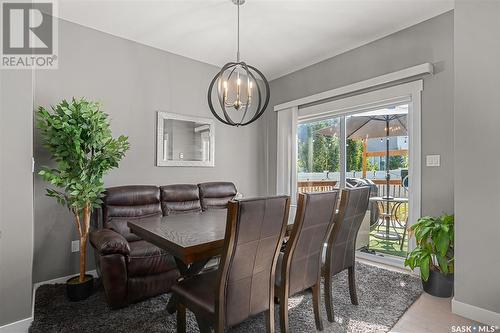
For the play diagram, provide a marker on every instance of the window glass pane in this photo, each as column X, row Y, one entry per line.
column 373, row 141
column 377, row 156
column 318, row 155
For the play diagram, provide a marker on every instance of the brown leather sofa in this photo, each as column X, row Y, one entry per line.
column 132, row 269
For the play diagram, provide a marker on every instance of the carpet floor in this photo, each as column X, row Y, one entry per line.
column 384, row 296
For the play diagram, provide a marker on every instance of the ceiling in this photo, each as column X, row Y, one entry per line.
column 277, row 36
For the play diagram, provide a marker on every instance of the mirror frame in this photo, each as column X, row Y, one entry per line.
column 161, row 117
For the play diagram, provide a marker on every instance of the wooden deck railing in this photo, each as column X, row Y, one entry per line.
column 316, row 186
column 395, row 190
column 395, row 187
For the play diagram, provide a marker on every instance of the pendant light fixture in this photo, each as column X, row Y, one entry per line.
column 240, row 91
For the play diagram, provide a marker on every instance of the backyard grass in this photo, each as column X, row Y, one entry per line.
column 391, row 247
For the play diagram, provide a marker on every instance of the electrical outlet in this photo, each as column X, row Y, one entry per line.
column 75, row 246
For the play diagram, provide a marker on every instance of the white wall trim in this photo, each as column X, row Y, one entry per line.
column 61, row 279
column 473, row 312
column 23, row 324
column 410, row 73
column 17, row 327
column 386, row 260
column 286, row 153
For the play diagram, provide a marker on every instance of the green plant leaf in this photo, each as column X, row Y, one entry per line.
column 77, row 134
column 442, row 241
column 435, row 241
column 425, row 267
column 443, row 263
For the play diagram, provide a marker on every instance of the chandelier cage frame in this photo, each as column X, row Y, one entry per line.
column 225, row 75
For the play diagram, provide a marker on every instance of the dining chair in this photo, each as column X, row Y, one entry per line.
column 299, row 266
column 341, row 246
column 243, row 286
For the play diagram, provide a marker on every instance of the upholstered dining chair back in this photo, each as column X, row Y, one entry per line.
column 254, row 233
column 342, row 240
column 312, row 226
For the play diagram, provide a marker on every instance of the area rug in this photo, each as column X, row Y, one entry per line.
column 384, row 296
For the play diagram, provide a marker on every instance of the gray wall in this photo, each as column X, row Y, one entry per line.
column 477, row 117
column 430, row 41
column 16, row 195
column 132, row 81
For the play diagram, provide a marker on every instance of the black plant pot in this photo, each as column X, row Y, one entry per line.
column 78, row 291
column 438, row 284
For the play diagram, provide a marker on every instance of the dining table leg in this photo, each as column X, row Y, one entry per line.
column 186, row 271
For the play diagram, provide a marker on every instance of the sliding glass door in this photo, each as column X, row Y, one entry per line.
column 362, row 148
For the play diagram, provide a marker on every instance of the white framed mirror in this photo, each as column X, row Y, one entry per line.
column 184, row 140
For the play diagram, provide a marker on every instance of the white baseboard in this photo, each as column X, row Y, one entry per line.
column 62, row 279
column 385, row 259
column 20, row 326
column 475, row 313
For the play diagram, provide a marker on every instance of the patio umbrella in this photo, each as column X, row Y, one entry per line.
column 374, row 124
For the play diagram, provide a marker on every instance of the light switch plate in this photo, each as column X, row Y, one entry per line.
column 75, row 246
column 433, row 160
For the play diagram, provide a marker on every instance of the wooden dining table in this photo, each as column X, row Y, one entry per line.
column 192, row 239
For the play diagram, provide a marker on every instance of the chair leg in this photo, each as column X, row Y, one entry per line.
column 219, row 326
column 317, row 313
column 403, row 240
column 203, row 325
column 328, row 297
column 283, row 300
column 181, row 318
column 269, row 315
column 352, row 285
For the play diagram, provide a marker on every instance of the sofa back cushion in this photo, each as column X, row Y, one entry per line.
column 216, row 195
column 180, row 199
column 124, row 203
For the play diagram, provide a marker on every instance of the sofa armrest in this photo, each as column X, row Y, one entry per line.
column 107, row 241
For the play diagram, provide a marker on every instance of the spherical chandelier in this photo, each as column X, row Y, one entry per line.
column 239, row 94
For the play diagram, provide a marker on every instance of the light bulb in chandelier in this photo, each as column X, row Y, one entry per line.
column 240, row 99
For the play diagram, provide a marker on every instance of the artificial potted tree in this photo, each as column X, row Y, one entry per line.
column 78, row 136
column 434, row 253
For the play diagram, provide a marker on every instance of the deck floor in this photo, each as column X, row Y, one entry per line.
column 391, row 247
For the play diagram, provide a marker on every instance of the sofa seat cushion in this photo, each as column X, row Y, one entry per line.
column 120, row 226
column 143, row 287
column 147, row 259
column 180, row 199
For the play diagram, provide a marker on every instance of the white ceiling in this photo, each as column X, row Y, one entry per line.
column 277, row 36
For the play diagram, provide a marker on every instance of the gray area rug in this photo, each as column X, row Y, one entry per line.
column 384, row 296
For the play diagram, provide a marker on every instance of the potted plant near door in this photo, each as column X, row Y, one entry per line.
column 434, row 253
column 78, row 136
